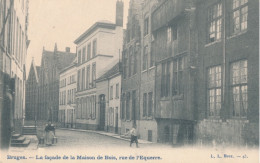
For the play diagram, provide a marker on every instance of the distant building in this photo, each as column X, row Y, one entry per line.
column 130, row 104
column 51, row 65
column 109, row 85
column 97, row 48
column 32, row 85
column 67, row 92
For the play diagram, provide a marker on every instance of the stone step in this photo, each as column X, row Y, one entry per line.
column 18, row 140
column 23, row 144
column 15, row 136
column 29, row 126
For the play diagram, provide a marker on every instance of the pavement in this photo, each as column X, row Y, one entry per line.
column 113, row 135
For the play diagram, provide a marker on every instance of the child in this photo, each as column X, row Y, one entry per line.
column 134, row 136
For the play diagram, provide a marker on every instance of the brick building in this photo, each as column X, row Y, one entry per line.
column 130, row 104
column 228, row 72
column 51, row 64
column 31, row 92
column 147, row 123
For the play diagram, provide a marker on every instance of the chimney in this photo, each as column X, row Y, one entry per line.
column 68, row 49
column 119, row 13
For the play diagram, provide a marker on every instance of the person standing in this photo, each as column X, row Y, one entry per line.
column 49, row 133
column 134, row 136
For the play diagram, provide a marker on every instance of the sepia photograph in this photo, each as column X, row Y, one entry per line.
column 129, row 81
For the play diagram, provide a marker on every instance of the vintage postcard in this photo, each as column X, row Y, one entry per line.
column 129, row 81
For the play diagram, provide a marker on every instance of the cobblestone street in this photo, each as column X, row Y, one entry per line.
column 90, row 145
column 87, row 139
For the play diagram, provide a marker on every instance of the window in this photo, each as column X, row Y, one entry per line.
column 94, row 75
column 165, row 79
column 240, row 12
column 130, row 61
column 84, row 54
column 239, row 88
column 79, row 57
column 111, row 92
column 88, row 77
column 150, row 135
column 146, row 26
column 214, row 90
column 127, row 106
column 84, row 108
column 111, row 117
column 89, row 51
column 150, row 104
column 152, row 58
column 145, row 57
column 83, row 79
column 177, row 78
column 117, row 90
column 214, row 22
column 145, row 105
column 174, row 33
column 169, row 35
column 134, row 105
column 94, row 108
column 125, row 65
column 123, row 107
column 135, row 62
column 79, row 79
column 94, row 51
column 88, row 107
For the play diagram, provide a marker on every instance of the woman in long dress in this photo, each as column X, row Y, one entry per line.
column 49, row 133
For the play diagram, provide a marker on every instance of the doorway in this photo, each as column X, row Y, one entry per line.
column 102, row 109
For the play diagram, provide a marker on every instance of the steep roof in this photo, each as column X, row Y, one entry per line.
column 35, row 70
column 100, row 24
column 59, row 58
column 110, row 73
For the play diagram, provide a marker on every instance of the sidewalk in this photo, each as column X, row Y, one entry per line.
column 117, row 136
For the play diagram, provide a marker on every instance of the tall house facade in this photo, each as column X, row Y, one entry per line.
column 97, row 48
column 148, row 125
column 174, row 46
column 53, row 62
column 109, row 86
column 13, row 50
column 31, row 92
column 67, row 92
column 228, row 78
column 130, row 103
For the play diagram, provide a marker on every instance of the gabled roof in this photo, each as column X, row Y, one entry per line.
column 100, row 24
column 59, row 58
column 35, row 70
column 115, row 70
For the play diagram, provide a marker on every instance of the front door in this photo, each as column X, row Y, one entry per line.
column 102, row 104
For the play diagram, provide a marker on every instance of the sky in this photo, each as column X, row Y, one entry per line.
column 63, row 21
